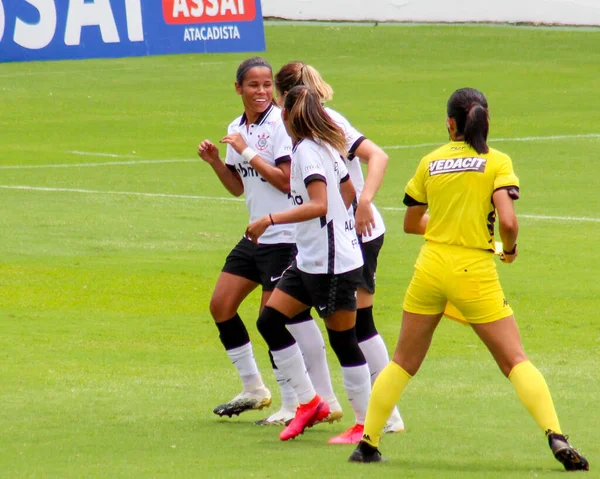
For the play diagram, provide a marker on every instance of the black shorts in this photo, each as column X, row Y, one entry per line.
column 263, row 263
column 327, row 293
column 370, row 251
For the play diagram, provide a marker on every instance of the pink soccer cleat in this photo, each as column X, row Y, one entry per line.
column 306, row 416
column 351, row 436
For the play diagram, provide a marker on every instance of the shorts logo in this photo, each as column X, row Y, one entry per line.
column 262, row 142
column 457, row 165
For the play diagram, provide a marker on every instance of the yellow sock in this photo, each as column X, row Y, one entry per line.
column 533, row 392
column 385, row 394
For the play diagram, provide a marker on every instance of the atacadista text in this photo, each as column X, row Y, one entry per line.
column 221, row 32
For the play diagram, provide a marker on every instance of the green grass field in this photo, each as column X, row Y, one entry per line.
column 110, row 363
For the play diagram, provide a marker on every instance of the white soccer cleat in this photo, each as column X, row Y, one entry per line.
column 394, row 423
column 281, row 418
column 245, row 401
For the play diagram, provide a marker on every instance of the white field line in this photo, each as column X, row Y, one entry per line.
column 91, row 70
column 106, row 163
column 221, row 198
column 175, row 160
column 93, row 153
column 533, row 217
column 119, row 193
column 492, row 140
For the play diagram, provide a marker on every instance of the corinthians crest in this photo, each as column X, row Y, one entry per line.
column 262, row 142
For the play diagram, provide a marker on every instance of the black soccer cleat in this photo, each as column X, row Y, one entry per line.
column 566, row 454
column 366, row 453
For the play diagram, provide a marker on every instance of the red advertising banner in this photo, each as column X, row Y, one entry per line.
column 181, row 12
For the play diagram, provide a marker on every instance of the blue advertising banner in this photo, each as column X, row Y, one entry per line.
column 75, row 29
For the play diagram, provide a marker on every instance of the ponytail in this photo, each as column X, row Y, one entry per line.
column 307, row 119
column 469, row 108
column 476, row 128
column 313, row 79
column 299, row 73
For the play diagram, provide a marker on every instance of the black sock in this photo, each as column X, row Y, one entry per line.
column 233, row 333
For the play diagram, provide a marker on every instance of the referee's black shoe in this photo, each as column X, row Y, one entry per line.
column 566, row 454
column 366, row 453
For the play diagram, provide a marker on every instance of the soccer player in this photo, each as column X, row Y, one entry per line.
column 369, row 223
column 258, row 165
column 327, row 268
column 463, row 184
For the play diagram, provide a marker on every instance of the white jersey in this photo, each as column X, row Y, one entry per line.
column 326, row 245
column 267, row 136
column 353, row 140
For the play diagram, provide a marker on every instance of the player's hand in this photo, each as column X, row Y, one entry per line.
column 257, row 228
column 365, row 221
column 208, row 152
column 236, row 140
column 509, row 257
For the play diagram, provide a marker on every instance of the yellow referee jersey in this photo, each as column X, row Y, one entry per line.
column 457, row 184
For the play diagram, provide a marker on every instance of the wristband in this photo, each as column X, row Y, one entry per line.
column 513, row 251
column 248, row 154
column 271, row 218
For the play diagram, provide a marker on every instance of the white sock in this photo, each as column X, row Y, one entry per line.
column 310, row 340
column 358, row 388
column 243, row 359
column 376, row 354
column 290, row 364
column 288, row 395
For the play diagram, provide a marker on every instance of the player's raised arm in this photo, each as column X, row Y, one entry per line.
column 228, row 176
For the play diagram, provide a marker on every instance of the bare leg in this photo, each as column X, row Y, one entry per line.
column 503, row 340
column 228, row 294
column 416, row 333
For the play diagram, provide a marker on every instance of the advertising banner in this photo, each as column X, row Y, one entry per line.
column 76, row 29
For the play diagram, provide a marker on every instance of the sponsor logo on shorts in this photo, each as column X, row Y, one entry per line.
column 457, row 165
column 275, row 278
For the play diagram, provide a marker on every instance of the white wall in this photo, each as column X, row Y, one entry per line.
column 567, row 12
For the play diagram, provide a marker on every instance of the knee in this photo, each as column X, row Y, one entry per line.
column 222, row 307
column 410, row 365
column 509, row 364
column 266, row 322
column 365, row 325
column 346, row 348
column 271, row 326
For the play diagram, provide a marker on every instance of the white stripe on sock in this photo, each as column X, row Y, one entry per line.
column 358, row 388
column 291, row 365
column 243, row 359
column 310, row 340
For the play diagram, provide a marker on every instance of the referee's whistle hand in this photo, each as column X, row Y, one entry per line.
column 509, row 258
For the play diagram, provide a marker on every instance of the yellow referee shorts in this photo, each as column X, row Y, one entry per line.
column 465, row 277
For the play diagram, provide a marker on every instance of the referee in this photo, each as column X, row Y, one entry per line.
column 463, row 184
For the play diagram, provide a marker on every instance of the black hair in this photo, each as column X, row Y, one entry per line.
column 469, row 108
column 249, row 64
